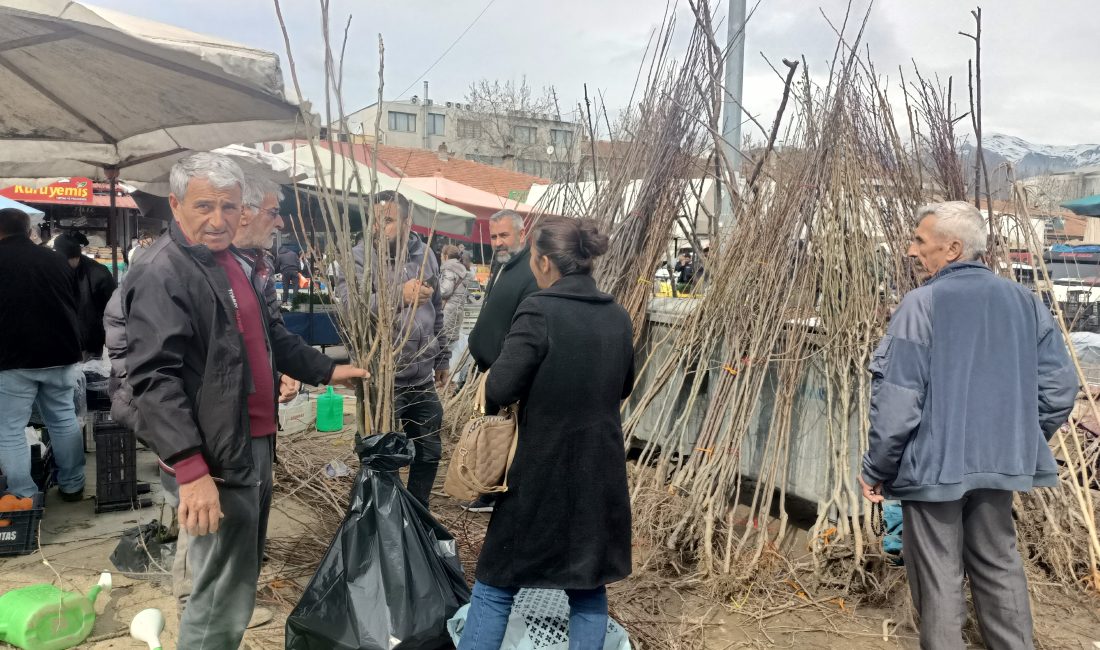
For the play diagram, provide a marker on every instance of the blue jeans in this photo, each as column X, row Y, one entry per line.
column 487, row 618
column 52, row 390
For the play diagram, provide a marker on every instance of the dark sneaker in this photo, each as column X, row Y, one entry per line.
column 480, row 504
column 71, row 497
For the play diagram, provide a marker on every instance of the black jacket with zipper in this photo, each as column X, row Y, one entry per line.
column 186, row 361
column 510, row 286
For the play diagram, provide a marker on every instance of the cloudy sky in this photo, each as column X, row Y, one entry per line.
column 1040, row 72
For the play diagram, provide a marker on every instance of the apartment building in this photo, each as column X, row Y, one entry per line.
column 538, row 144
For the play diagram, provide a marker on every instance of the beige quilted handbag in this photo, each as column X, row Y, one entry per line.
column 480, row 462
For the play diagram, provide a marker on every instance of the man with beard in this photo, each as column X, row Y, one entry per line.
column 422, row 362
column 510, row 282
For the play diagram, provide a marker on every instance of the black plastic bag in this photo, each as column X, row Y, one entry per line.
column 391, row 579
column 144, row 549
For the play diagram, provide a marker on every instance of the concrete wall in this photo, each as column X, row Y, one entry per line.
column 809, row 470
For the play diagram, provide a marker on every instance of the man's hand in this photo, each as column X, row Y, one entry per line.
column 288, row 388
column 415, row 291
column 346, row 375
column 872, row 493
column 441, row 377
column 200, row 510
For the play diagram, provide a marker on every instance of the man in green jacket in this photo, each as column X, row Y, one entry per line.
column 509, row 284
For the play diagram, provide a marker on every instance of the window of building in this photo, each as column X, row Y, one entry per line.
column 525, row 134
column 561, row 171
column 528, row 166
column 485, row 160
column 561, row 138
column 469, row 129
column 436, row 124
column 405, row 122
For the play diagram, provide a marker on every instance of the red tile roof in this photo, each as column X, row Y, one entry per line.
column 401, row 161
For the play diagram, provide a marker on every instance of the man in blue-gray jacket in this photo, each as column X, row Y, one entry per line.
column 969, row 384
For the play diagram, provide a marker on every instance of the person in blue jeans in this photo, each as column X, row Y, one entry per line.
column 564, row 522
column 39, row 350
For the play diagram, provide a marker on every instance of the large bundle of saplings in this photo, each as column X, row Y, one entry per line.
column 803, row 281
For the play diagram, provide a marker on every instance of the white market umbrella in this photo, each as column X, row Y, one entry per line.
column 253, row 162
column 96, row 93
column 87, row 89
column 341, row 171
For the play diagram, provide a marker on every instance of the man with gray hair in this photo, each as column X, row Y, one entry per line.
column 968, row 385
column 200, row 360
column 510, row 282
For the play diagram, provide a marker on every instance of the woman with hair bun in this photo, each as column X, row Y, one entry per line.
column 564, row 522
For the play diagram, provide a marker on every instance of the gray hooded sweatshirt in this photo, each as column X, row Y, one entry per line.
column 969, row 384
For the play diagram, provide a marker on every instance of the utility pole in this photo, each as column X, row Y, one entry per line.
column 733, row 87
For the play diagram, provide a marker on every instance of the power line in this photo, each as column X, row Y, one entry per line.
column 449, row 48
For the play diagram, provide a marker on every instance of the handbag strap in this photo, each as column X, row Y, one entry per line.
column 480, row 402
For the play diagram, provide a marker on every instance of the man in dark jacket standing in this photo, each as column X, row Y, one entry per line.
column 95, row 284
column 289, row 266
column 422, row 361
column 509, row 285
column 202, row 351
column 969, row 384
column 39, row 350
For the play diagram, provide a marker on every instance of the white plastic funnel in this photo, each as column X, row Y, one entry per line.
column 147, row 626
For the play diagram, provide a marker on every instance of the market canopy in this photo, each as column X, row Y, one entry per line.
column 253, row 162
column 345, row 174
column 577, row 199
column 481, row 203
column 88, row 89
column 1088, row 206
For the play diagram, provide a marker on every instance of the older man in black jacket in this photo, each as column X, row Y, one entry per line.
column 201, row 359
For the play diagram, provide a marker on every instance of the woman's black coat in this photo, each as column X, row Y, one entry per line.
column 565, row 521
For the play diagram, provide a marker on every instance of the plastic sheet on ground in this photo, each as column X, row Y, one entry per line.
column 540, row 621
column 1087, row 347
column 391, row 578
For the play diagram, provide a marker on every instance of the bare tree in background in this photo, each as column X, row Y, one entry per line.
column 495, row 117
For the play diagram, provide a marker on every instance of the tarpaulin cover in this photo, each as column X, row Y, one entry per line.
column 1088, row 206
column 1080, row 248
column 391, row 578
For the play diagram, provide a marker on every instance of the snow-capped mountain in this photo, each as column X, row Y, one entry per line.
column 1034, row 159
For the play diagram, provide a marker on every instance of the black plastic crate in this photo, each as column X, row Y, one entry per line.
column 43, row 469
column 98, row 400
column 20, row 535
column 116, row 484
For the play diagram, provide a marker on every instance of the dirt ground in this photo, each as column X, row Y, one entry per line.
column 76, row 545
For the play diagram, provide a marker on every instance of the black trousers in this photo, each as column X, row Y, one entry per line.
column 290, row 285
column 420, row 416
